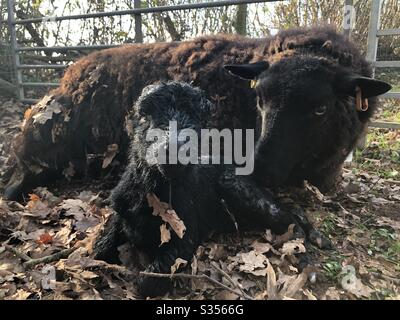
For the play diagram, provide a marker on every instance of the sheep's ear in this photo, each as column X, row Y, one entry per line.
column 369, row 87
column 247, row 71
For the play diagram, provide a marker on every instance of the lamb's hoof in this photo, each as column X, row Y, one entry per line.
column 153, row 286
column 319, row 240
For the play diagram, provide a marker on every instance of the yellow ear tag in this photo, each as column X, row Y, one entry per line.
column 253, row 84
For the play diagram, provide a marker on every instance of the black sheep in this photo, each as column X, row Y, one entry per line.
column 309, row 69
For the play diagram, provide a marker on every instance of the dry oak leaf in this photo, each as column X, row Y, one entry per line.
column 253, row 263
column 293, row 247
column 45, row 238
column 109, row 155
column 285, row 237
column 165, row 234
column 178, row 264
column 47, row 113
column 167, row 215
column 261, row 247
column 36, row 208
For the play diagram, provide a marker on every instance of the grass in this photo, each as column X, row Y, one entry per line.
column 381, row 156
column 333, row 268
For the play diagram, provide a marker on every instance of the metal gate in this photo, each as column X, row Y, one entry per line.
column 372, row 49
column 137, row 12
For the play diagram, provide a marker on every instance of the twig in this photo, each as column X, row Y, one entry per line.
column 18, row 253
column 190, row 276
column 374, row 185
column 231, row 281
column 47, row 259
column 392, row 181
column 29, row 262
column 385, row 277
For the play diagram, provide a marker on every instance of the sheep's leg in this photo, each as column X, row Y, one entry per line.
column 106, row 246
column 255, row 208
column 313, row 235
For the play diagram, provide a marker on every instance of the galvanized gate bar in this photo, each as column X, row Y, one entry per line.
column 391, row 95
column 14, row 47
column 385, row 125
column 144, row 10
column 42, row 66
column 386, row 64
column 40, row 84
column 388, row 32
column 372, row 50
column 66, row 48
column 372, row 42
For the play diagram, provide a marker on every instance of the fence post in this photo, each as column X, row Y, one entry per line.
column 372, row 42
column 138, row 23
column 372, row 48
column 14, row 47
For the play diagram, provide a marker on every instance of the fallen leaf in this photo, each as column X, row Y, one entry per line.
column 178, row 264
column 165, row 234
column 167, row 215
column 217, row 252
column 252, row 262
column 36, row 208
column 271, row 283
column 75, row 208
column 47, row 114
column 356, row 287
column 293, row 247
column 110, row 154
column 290, row 288
column 285, row 237
column 20, row 295
column 45, row 238
column 226, row 295
column 309, row 294
column 261, row 247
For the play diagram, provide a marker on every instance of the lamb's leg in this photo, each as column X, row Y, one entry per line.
column 128, row 223
column 177, row 248
column 183, row 248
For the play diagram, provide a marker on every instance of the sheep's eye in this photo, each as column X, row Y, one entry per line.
column 320, row 110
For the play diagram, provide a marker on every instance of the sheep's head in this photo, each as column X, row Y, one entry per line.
column 312, row 110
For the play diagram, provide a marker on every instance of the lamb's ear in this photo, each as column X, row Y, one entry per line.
column 369, row 87
column 247, row 71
